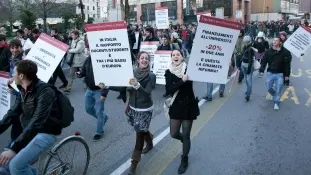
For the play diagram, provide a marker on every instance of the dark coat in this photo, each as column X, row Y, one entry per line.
column 185, row 105
column 38, row 113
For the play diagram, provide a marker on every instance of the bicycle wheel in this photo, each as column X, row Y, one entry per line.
column 63, row 167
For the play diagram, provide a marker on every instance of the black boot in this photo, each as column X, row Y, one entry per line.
column 135, row 160
column 183, row 165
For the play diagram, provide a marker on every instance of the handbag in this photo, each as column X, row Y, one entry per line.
column 168, row 103
column 256, row 65
column 71, row 56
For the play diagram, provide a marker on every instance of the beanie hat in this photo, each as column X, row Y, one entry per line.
column 247, row 39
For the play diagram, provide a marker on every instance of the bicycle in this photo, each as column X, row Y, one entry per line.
column 64, row 167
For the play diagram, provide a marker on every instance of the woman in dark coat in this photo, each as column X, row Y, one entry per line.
column 185, row 107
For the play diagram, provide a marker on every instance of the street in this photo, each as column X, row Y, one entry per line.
column 230, row 137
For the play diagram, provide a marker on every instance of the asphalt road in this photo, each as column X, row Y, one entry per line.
column 230, row 136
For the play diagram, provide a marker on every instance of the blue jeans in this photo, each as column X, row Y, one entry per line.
column 274, row 83
column 95, row 107
column 249, row 79
column 21, row 163
column 210, row 88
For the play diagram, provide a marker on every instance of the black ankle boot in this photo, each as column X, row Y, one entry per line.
column 183, row 165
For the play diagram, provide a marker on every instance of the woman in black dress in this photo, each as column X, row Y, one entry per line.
column 185, row 107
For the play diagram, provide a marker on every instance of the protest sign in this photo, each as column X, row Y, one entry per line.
column 28, row 44
column 299, row 42
column 161, row 14
column 5, row 97
column 137, row 41
column 150, row 48
column 203, row 13
column 212, row 49
column 47, row 52
column 162, row 60
column 110, row 52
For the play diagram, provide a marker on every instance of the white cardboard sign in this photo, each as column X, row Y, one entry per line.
column 212, row 50
column 161, row 14
column 110, row 52
column 162, row 60
column 299, row 42
column 47, row 52
column 150, row 47
column 5, row 97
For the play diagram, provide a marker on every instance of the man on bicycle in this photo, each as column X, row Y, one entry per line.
column 39, row 116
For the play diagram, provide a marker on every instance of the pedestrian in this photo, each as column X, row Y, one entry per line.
column 140, row 107
column 95, row 97
column 247, row 62
column 184, row 108
column 75, row 58
column 278, row 66
column 5, row 54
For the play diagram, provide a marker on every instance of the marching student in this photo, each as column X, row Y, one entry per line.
column 278, row 67
column 184, row 108
column 140, row 107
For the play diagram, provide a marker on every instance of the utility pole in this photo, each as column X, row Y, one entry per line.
column 82, row 11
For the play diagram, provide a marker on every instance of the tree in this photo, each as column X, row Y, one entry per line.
column 46, row 7
column 28, row 18
column 8, row 9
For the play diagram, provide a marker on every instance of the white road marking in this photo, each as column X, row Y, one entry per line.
column 162, row 135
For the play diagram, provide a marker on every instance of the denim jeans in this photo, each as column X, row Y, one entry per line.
column 274, row 83
column 249, row 78
column 95, row 107
column 210, row 88
column 21, row 163
column 184, row 48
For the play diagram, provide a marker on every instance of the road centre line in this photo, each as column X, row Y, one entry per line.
column 162, row 135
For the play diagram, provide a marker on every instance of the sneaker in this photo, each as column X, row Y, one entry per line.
column 97, row 137
column 276, row 107
column 208, row 98
column 221, row 94
column 247, row 98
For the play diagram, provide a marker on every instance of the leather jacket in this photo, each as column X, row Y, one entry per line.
column 37, row 111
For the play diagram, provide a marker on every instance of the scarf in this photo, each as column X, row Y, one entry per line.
column 139, row 73
column 179, row 70
column 5, row 45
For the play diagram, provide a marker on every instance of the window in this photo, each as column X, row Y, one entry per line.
column 88, row 8
column 93, row 16
column 93, row 7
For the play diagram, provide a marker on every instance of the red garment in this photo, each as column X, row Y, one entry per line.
column 184, row 34
column 4, row 45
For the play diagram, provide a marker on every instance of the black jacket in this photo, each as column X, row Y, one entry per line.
column 278, row 61
column 247, row 57
column 5, row 55
column 185, row 105
column 38, row 113
column 87, row 73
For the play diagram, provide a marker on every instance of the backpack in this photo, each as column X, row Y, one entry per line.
column 64, row 105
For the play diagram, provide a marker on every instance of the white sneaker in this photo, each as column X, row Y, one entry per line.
column 276, row 107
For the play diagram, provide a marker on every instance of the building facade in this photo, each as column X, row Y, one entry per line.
column 143, row 11
column 305, row 6
column 268, row 10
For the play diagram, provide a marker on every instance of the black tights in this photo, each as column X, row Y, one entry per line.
column 140, row 140
column 184, row 137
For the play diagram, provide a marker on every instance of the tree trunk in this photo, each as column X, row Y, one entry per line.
column 122, row 10
column 44, row 21
column 126, row 11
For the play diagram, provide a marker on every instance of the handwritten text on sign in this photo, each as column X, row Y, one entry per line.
column 110, row 51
